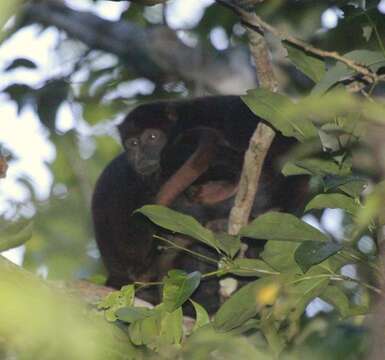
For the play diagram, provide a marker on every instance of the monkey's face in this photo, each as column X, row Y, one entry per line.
column 144, row 150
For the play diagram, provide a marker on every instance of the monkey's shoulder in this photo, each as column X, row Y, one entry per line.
column 119, row 182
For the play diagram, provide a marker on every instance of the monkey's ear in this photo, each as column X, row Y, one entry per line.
column 123, row 128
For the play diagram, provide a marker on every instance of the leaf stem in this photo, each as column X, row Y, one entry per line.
column 194, row 253
column 338, row 277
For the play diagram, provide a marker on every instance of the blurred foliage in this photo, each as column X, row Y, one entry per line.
column 39, row 321
column 266, row 318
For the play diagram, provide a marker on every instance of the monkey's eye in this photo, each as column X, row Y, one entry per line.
column 132, row 142
column 151, row 136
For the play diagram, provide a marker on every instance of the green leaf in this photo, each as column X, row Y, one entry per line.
column 372, row 208
column 208, row 344
column 132, row 314
column 351, row 185
column 240, row 307
column 333, row 201
column 21, row 62
column 315, row 167
column 300, row 290
column 273, row 108
column 354, row 188
column 160, row 329
column 373, row 59
column 280, row 256
column 95, row 112
column 251, row 267
column 171, row 328
column 313, row 67
column 335, row 296
column 178, row 287
column 267, row 105
column 202, row 317
column 247, row 302
column 281, row 226
column 314, row 252
column 145, row 331
column 117, row 300
column 229, row 244
column 179, row 223
column 15, row 234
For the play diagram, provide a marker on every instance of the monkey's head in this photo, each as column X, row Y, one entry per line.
column 144, row 134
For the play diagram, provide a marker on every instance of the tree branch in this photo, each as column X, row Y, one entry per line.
column 255, row 23
column 155, row 52
column 260, row 141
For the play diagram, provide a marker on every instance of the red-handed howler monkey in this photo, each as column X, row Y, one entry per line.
column 188, row 155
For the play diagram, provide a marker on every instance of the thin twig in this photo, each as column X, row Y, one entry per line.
column 255, row 23
column 199, row 255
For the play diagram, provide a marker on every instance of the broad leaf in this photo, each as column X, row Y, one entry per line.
column 273, row 108
column 160, row 329
column 313, row 67
column 281, row 226
column 335, row 296
column 315, row 166
column 280, row 256
column 333, row 201
column 300, row 290
column 179, row 223
column 373, row 59
column 145, row 331
column 96, row 112
column 202, row 317
column 229, row 244
column 241, row 306
column 117, row 300
column 171, row 329
column 178, row 287
column 15, row 234
column 208, row 344
column 133, row 313
column 350, row 185
column 314, row 252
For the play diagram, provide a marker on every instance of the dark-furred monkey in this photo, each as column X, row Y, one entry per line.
column 188, row 155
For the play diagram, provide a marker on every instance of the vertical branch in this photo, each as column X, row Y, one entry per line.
column 263, row 136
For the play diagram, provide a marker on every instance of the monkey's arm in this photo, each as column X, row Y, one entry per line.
column 190, row 171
